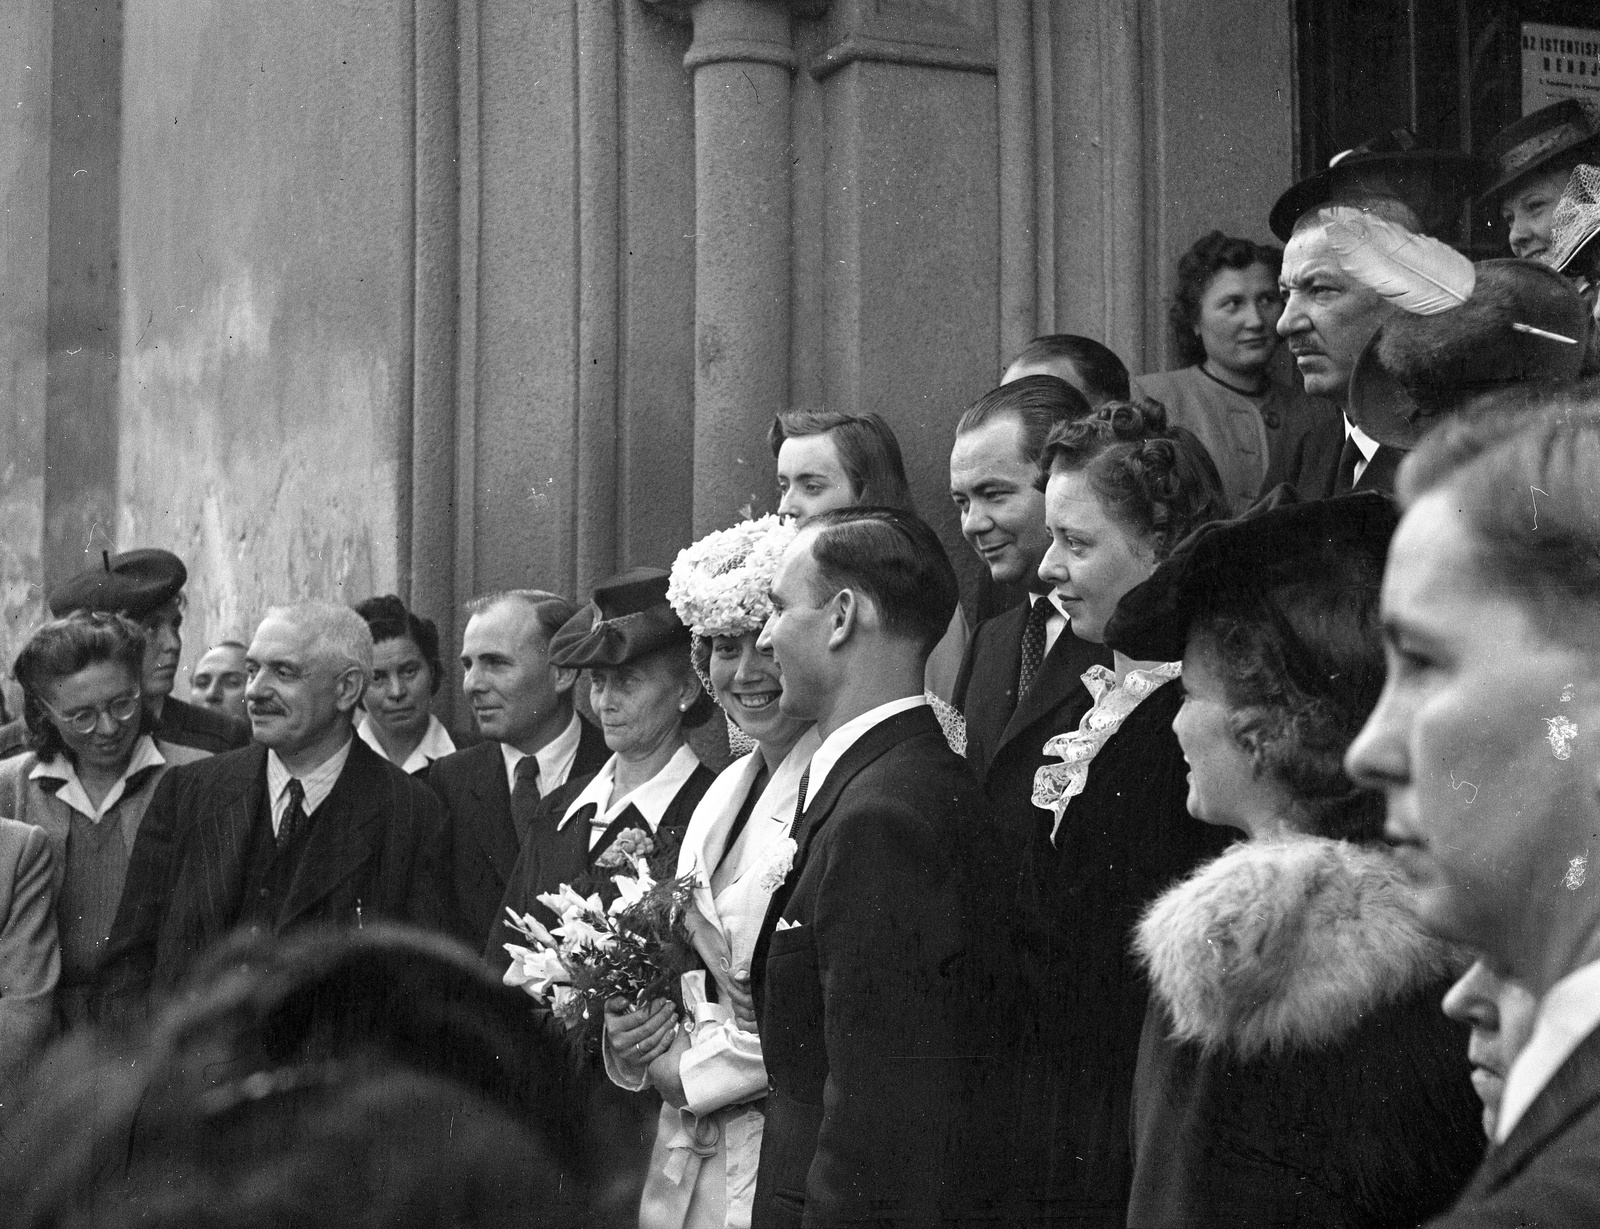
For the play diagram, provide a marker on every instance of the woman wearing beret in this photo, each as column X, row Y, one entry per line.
column 91, row 771
column 1295, row 1067
column 737, row 846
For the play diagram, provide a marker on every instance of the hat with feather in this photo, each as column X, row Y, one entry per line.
column 1463, row 329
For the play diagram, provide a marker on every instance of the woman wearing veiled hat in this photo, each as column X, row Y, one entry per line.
column 738, row 848
column 1295, row 1068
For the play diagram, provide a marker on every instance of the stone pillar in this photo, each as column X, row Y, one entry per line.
column 742, row 59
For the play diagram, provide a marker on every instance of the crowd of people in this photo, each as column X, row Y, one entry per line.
column 1234, row 870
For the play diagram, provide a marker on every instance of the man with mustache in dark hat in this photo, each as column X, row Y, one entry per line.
column 146, row 586
column 1329, row 316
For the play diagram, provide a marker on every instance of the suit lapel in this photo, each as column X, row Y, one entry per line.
column 1573, row 1090
column 823, row 798
column 1060, row 677
column 224, row 843
column 495, row 829
column 346, row 833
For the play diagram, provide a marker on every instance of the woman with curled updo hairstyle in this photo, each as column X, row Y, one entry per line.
column 93, row 766
column 398, row 722
column 1260, row 429
column 1121, row 489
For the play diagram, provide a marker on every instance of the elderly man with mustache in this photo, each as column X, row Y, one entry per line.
column 309, row 825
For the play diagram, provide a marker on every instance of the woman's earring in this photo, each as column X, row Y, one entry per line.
column 683, row 708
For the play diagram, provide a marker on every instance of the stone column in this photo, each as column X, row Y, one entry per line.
column 742, row 58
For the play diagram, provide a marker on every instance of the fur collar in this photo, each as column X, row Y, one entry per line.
column 1284, row 943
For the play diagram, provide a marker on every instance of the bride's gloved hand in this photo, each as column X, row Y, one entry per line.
column 638, row 1038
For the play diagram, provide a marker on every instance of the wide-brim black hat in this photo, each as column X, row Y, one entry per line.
column 135, row 583
column 1279, row 541
column 627, row 617
column 1419, row 368
column 1432, row 181
column 1537, row 140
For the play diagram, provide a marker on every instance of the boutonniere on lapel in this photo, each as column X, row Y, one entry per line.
column 636, row 948
column 659, row 850
column 776, row 863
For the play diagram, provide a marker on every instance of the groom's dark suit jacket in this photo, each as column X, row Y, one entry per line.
column 484, row 841
column 870, row 1000
column 374, row 849
column 1546, row 1175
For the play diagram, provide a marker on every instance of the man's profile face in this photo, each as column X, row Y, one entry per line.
column 218, row 681
column 1002, row 515
column 293, row 694
column 162, row 647
column 1328, row 316
column 506, row 673
column 797, row 632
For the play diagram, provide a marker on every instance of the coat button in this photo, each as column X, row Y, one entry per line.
column 772, row 1084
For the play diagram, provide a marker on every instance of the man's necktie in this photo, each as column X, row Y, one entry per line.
column 1349, row 457
column 294, row 816
column 800, row 800
column 1033, row 646
column 524, row 796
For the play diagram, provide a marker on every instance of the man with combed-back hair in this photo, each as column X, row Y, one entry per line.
column 873, row 985
column 307, row 825
column 534, row 743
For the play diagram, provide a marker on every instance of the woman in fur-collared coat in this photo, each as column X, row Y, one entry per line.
column 1295, row 1067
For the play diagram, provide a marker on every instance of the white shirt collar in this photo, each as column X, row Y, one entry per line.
column 1568, row 1013
column 59, row 768
column 846, row 736
column 318, row 783
column 555, row 758
column 436, row 743
column 650, row 799
column 1365, row 442
column 1055, row 622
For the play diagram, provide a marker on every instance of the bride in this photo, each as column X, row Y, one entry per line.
column 737, row 846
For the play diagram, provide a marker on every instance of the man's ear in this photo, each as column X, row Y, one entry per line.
column 566, row 679
column 349, row 687
column 844, row 619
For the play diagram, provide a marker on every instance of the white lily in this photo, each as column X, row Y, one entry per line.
column 530, row 927
column 535, row 971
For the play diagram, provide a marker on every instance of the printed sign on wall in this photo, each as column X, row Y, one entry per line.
column 1559, row 62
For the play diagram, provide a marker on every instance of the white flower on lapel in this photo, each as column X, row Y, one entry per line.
column 776, row 865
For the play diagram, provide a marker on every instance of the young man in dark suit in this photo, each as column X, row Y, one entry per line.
column 869, row 973
column 307, row 826
column 146, row 586
column 535, row 743
column 1022, row 679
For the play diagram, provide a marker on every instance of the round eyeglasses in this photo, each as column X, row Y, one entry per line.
column 86, row 720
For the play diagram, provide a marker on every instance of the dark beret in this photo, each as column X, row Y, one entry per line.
column 135, row 583
column 1279, row 541
column 627, row 617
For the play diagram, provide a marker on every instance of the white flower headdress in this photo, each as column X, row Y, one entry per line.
column 720, row 585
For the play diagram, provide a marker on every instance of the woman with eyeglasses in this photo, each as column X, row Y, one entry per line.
column 90, row 772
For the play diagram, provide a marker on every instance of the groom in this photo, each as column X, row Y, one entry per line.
column 864, row 972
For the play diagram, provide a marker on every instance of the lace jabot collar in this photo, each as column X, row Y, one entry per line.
column 1055, row 785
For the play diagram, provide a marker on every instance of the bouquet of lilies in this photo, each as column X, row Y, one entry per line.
column 635, row 949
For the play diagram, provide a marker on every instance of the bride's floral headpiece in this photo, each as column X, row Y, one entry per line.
column 719, row 586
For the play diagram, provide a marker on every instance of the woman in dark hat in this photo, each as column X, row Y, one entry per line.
column 1533, row 159
column 1295, row 1068
column 1261, row 431
column 92, row 766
